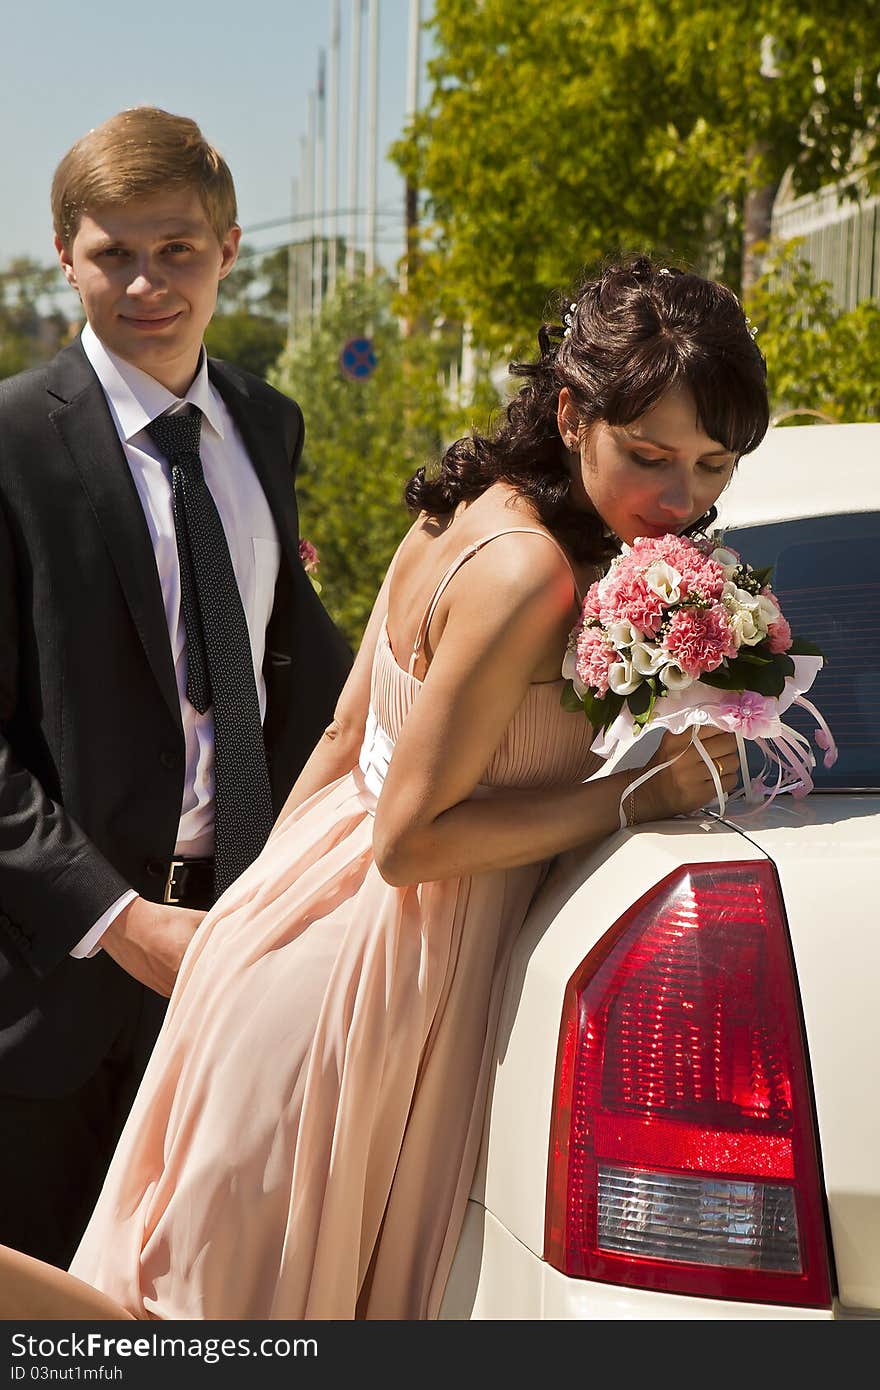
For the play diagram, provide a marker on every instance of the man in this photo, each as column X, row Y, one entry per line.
column 165, row 665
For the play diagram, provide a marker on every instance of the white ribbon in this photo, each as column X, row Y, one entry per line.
column 652, row 772
column 787, row 754
column 375, row 755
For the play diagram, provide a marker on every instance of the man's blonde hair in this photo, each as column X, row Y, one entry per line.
column 137, row 154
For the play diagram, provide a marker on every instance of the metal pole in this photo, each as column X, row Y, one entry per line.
column 372, row 136
column 333, row 147
column 354, row 120
column 292, row 269
column 319, row 189
column 412, row 72
column 312, row 201
column 411, row 195
column 303, row 252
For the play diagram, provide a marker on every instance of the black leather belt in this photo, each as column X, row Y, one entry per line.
column 190, row 883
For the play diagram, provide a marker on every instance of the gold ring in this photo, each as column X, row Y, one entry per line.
column 720, row 766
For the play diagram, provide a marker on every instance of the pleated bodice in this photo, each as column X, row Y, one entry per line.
column 543, row 744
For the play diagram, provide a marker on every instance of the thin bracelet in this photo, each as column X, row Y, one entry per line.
column 629, row 809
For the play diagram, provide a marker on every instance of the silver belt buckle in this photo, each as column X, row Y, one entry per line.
column 167, row 898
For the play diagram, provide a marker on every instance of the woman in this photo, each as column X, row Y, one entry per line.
column 305, row 1136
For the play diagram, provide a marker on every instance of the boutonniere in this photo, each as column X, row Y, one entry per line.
column 310, row 561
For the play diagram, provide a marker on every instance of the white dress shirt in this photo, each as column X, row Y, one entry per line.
column 135, row 399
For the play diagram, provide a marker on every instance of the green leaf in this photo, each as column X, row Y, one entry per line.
column 570, row 699
column 763, row 575
column 768, row 678
column 642, row 713
column 800, row 647
column 726, row 678
column 602, row 713
column 642, row 698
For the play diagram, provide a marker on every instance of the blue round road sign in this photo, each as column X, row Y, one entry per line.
column 357, row 360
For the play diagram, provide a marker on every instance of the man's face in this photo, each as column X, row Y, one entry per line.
column 147, row 273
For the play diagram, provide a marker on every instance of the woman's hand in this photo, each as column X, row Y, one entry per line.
column 687, row 784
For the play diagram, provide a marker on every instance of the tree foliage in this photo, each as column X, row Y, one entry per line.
column 249, row 326
column 555, row 134
column 250, row 340
column 819, row 357
column 28, row 335
column 364, row 439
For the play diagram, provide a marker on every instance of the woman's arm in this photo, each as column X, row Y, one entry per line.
column 336, row 752
column 426, row 827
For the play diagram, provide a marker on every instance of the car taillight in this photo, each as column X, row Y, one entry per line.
column 682, row 1153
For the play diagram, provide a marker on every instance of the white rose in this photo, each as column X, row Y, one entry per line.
column 647, row 658
column 621, row 678
column 733, row 598
column 623, row 634
column 674, row 678
column 746, row 632
column 743, row 609
column 662, row 579
column 768, row 612
column 729, row 562
column 569, row 672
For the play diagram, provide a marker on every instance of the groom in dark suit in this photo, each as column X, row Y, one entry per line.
column 165, row 664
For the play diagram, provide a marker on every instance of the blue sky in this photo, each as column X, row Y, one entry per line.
column 242, row 70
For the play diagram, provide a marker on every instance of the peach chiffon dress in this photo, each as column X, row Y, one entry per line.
column 305, row 1136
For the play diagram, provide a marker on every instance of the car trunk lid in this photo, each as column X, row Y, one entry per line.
column 826, row 851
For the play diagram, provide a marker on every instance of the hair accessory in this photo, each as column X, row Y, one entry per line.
column 664, row 271
column 753, row 332
column 567, row 320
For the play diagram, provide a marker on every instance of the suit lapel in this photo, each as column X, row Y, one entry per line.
column 84, row 423
column 263, row 436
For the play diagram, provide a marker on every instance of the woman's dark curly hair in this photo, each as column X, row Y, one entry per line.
column 636, row 330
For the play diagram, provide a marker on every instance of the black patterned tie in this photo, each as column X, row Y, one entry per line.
column 220, row 669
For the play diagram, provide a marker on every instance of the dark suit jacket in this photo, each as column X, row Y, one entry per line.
column 91, row 740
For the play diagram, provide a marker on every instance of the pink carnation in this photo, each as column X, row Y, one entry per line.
column 594, row 656
column 308, row 556
column 627, row 597
column 699, row 639
column 779, row 632
column 592, row 603
column 700, row 574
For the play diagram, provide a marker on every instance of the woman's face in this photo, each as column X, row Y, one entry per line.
column 655, row 475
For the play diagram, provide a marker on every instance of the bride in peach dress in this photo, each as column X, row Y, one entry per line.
column 304, row 1138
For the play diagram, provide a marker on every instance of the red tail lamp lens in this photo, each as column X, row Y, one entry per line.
column 683, row 1153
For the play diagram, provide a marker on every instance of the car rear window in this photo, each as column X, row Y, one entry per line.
column 827, row 578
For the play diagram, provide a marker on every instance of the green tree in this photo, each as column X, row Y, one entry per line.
column 250, row 340
column 556, row 134
column 28, row 335
column 364, row 439
column 250, row 323
column 236, row 292
column 819, row 357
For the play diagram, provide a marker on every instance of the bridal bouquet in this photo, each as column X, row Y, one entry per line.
column 681, row 634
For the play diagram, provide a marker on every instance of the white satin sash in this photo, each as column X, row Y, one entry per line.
column 375, row 756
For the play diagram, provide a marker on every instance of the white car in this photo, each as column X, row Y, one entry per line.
column 684, row 1118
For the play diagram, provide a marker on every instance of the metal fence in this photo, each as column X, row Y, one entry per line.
column 840, row 239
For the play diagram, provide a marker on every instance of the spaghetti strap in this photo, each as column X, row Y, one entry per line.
column 456, row 565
